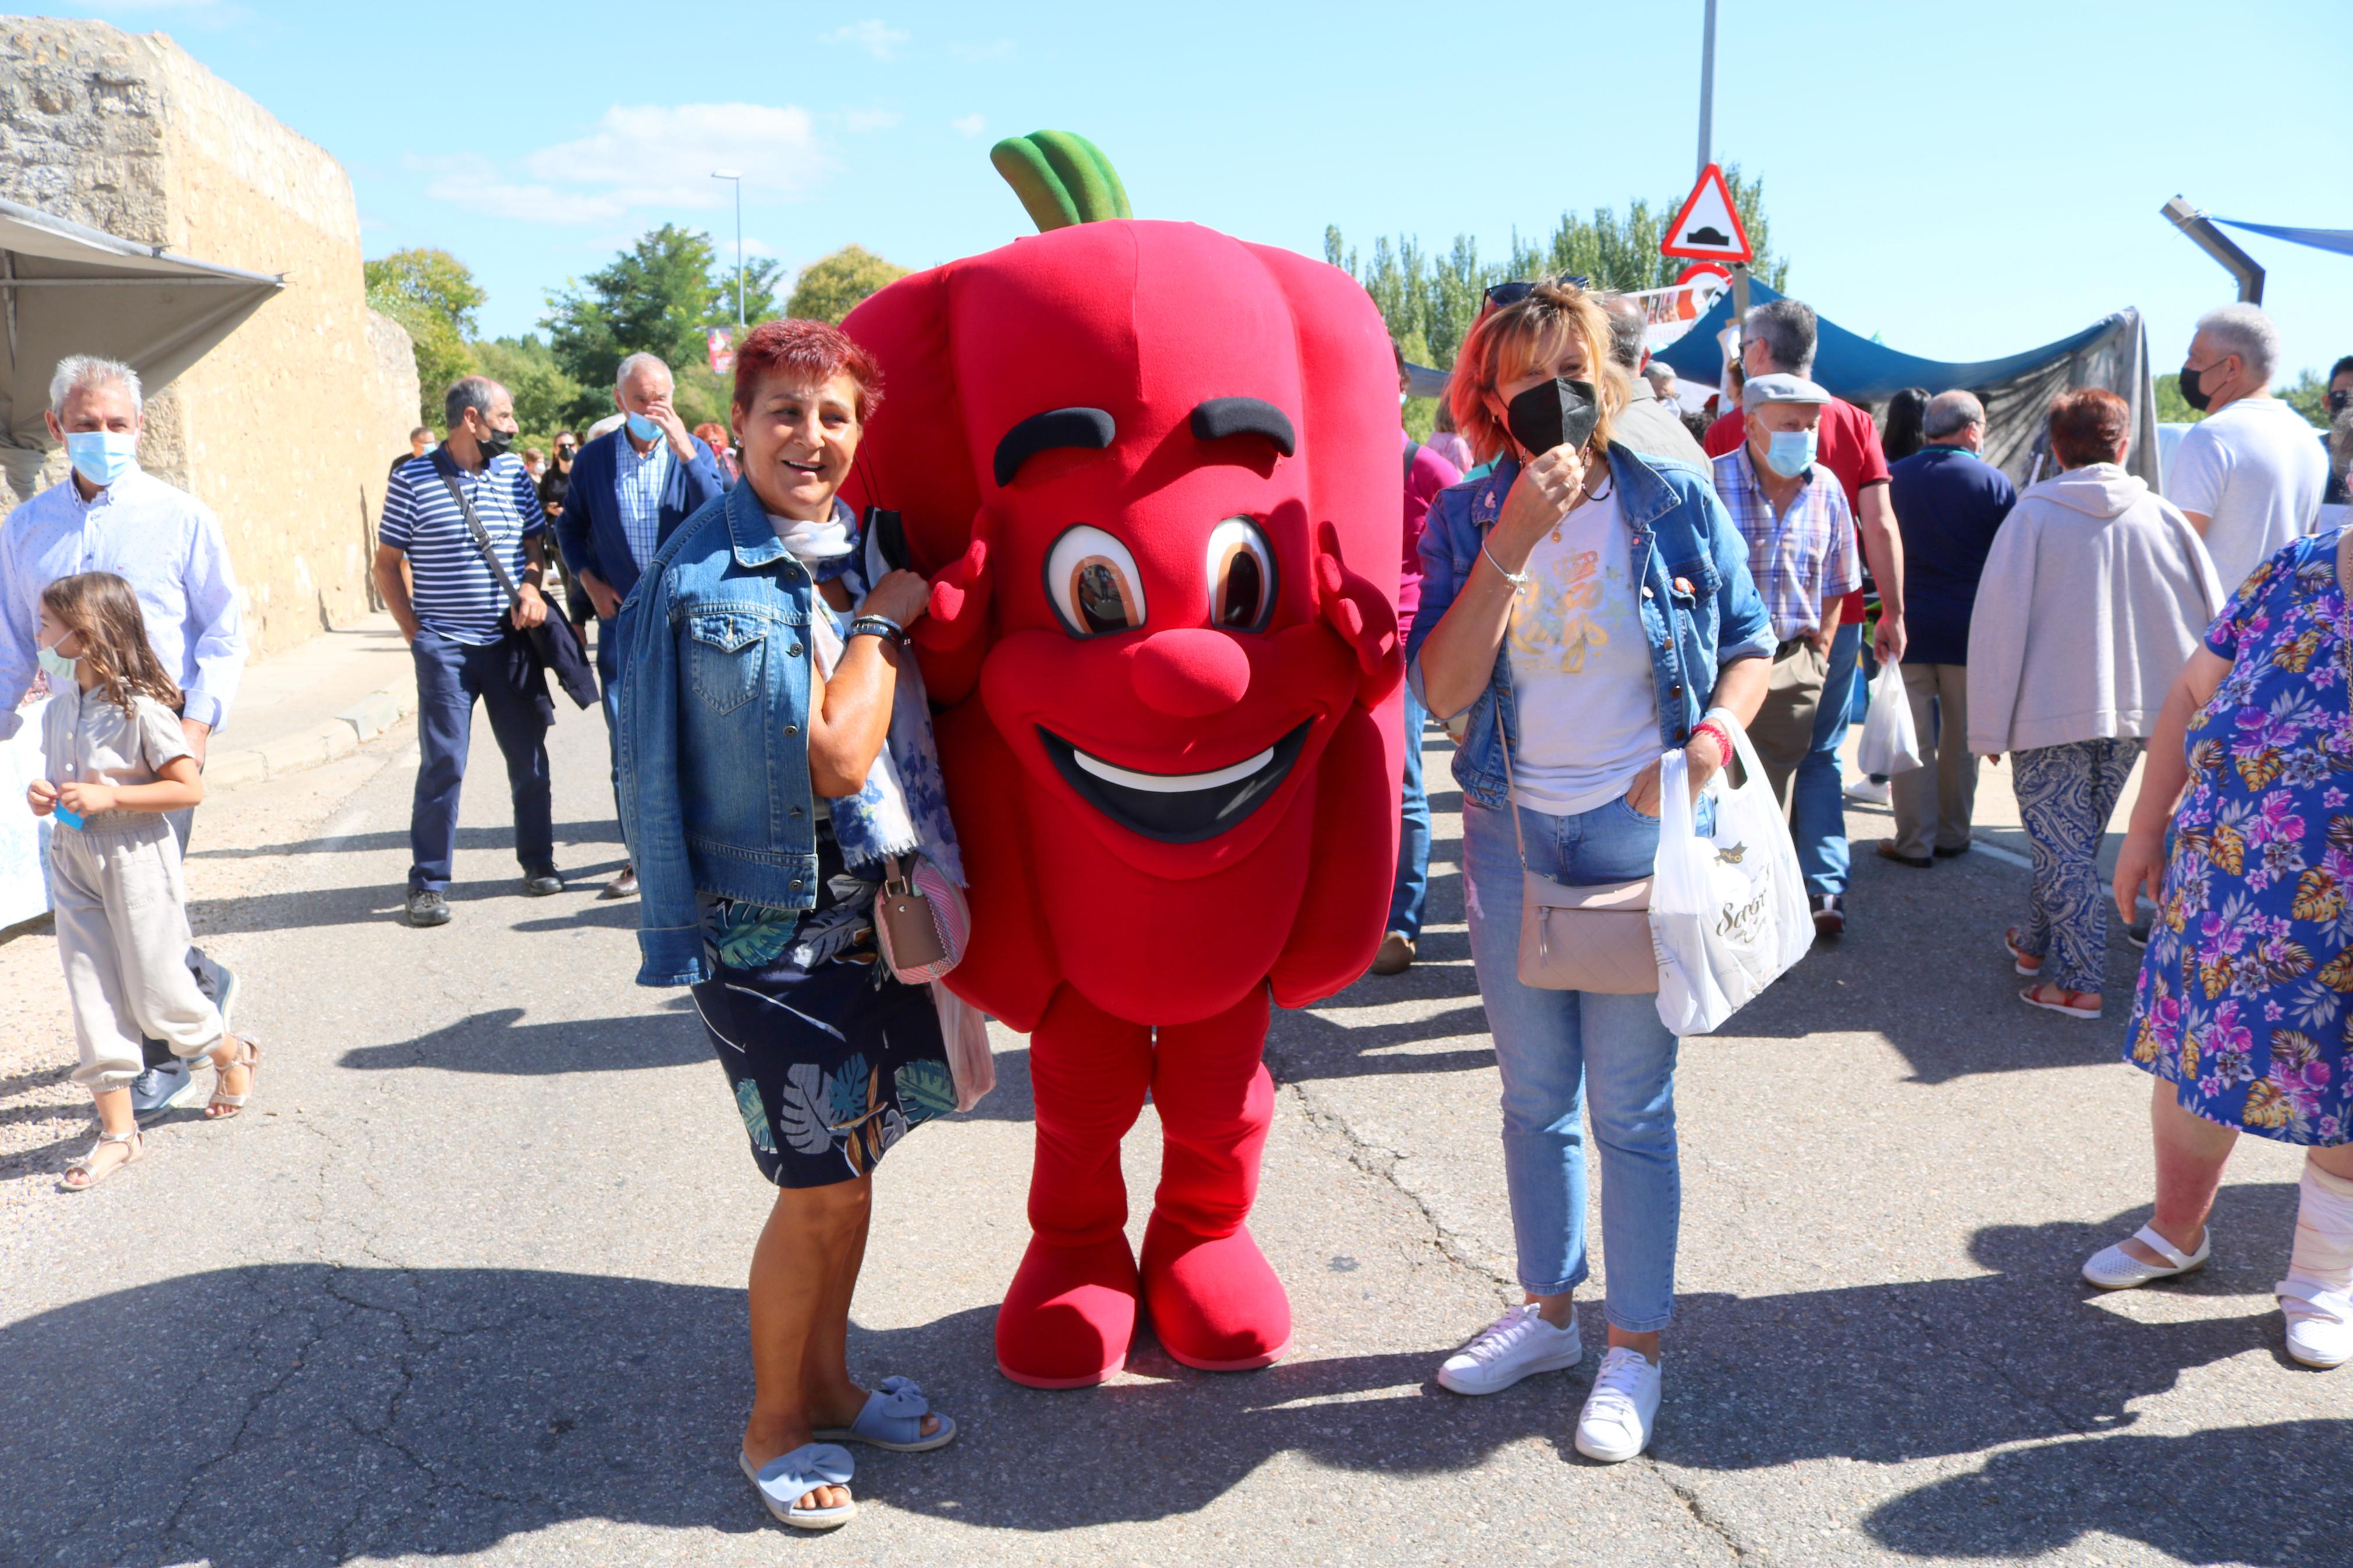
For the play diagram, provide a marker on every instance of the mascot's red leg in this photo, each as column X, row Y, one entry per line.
column 1215, row 1301
column 1071, row 1310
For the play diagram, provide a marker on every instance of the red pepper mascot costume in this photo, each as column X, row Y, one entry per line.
column 1154, row 473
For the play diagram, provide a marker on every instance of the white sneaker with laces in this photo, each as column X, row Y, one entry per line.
column 1616, row 1424
column 1869, row 791
column 1514, row 1345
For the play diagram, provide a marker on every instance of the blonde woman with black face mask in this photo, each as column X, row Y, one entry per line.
column 1583, row 608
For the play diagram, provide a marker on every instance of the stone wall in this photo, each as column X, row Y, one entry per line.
column 287, row 429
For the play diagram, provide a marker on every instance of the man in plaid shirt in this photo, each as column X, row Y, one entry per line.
column 1802, row 551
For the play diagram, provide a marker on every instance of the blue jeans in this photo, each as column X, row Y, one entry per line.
column 1412, row 892
column 1817, row 803
column 609, row 687
column 1557, row 1048
column 510, row 684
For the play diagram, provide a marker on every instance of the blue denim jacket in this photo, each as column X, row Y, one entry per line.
column 713, row 731
column 1700, row 607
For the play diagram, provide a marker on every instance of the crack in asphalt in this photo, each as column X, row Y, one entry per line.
column 1382, row 1164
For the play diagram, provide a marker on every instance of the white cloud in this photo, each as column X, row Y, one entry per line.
column 862, row 119
column 982, row 54
column 644, row 155
column 474, row 183
column 874, row 36
column 970, row 125
column 662, row 155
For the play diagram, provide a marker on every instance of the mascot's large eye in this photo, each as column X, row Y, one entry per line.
column 1241, row 576
column 1092, row 584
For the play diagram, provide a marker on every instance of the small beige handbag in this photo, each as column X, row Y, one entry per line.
column 1594, row 939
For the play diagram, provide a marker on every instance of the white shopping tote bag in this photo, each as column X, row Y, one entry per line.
column 1728, row 913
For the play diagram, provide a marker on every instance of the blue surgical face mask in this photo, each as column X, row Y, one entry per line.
column 1791, row 453
column 644, row 430
column 101, row 455
column 60, row 668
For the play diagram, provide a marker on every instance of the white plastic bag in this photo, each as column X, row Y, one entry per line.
column 1888, row 746
column 1728, row 913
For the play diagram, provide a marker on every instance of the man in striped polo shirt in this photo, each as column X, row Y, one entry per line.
column 465, row 636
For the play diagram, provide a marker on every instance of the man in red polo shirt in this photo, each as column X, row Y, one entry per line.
column 1779, row 338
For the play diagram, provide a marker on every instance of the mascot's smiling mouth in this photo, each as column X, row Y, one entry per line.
column 1177, row 808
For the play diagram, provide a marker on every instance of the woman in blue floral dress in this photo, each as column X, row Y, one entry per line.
column 2246, row 994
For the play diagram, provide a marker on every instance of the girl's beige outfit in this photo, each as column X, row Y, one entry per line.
column 116, row 886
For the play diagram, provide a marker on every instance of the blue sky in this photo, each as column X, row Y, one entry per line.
column 1964, row 181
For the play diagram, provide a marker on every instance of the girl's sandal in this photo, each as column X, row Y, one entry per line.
column 2020, row 959
column 93, row 1173
column 223, row 1104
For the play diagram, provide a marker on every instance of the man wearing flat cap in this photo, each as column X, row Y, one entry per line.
column 1802, row 551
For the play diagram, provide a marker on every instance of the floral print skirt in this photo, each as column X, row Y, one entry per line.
column 829, row 1059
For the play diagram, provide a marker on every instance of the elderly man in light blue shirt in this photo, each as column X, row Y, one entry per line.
column 110, row 515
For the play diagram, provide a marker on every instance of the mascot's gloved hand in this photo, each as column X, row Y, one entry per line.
column 1363, row 616
column 950, row 637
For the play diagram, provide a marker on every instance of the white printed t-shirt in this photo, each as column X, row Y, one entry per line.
column 1581, row 677
column 2254, row 470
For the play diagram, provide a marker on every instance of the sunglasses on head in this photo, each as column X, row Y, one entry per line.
column 1512, row 293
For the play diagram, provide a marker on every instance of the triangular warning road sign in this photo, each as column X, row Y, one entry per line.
column 1709, row 229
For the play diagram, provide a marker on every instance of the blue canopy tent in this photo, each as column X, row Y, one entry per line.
column 2017, row 389
column 2339, row 240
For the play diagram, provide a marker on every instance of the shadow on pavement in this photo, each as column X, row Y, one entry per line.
column 499, row 1041
column 384, row 1412
column 606, row 831
column 2239, row 1494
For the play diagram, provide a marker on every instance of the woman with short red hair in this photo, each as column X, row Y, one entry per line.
column 775, row 763
column 2091, row 600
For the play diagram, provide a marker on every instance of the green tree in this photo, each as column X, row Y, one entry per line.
column 433, row 295
column 657, row 296
column 830, row 287
column 1430, row 300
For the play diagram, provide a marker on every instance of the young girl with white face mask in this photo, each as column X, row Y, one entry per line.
column 116, row 762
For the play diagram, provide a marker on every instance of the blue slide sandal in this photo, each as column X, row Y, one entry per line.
column 785, row 1479
column 893, row 1419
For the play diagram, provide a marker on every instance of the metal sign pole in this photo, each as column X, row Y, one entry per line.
column 1707, row 93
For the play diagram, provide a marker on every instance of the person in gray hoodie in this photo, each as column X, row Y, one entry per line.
column 2093, row 597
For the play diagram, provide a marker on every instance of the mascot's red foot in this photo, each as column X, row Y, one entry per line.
column 1215, row 1303
column 1069, row 1314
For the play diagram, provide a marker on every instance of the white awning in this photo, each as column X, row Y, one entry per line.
column 67, row 290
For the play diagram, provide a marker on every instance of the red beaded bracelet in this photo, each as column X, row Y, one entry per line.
column 1710, row 727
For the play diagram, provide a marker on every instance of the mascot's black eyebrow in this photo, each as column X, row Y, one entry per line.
column 1088, row 428
column 1223, row 416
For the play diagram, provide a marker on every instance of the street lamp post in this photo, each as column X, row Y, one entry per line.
column 738, row 178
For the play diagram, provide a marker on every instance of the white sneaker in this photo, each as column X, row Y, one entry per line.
column 1511, row 1347
column 1872, row 792
column 1616, row 1424
column 2319, row 1323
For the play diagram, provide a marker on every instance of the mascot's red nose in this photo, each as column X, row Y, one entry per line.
column 1191, row 673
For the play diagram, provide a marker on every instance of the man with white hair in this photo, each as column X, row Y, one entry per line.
column 2248, row 476
column 1949, row 502
column 110, row 515
column 1792, row 511
column 629, row 489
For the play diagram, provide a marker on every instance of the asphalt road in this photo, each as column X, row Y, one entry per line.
column 466, row 1286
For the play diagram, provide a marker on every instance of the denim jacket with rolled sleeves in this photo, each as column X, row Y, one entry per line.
column 713, row 731
column 1700, row 608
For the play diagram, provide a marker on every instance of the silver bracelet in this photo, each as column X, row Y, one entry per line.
column 1517, row 579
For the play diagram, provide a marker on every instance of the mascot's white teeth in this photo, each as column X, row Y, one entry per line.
column 1171, row 783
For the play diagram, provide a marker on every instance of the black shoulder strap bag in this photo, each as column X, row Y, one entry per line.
column 556, row 640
